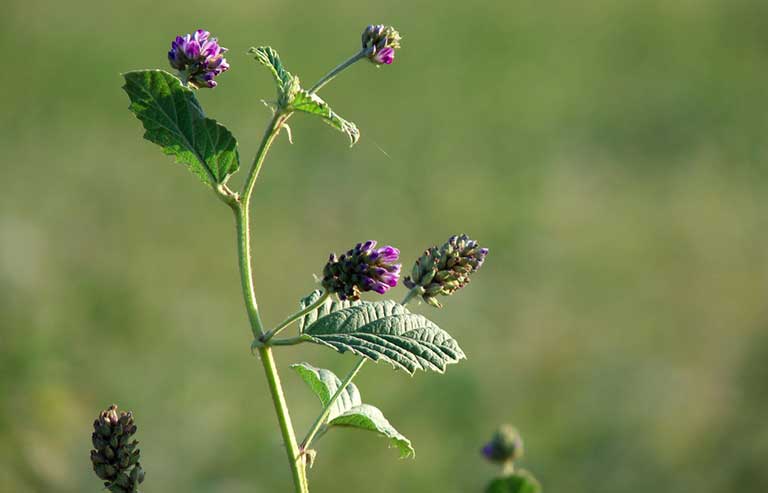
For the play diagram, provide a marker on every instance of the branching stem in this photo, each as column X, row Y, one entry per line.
column 242, row 220
column 288, row 321
column 240, row 205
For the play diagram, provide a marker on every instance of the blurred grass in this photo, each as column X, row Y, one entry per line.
column 611, row 154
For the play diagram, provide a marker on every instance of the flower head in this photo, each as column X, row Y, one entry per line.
column 198, row 58
column 444, row 270
column 363, row 268
column 505, row 446
column 380, row 43
column 116, row 458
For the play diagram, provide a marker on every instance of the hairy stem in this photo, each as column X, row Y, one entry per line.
column 246, row 271
column 242, row 220
column 288, row 321
column 320, row 421
column 266, row 142
column 240, row 206
column 336, row 71
column 296, row 460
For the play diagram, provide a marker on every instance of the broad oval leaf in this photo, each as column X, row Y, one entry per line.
column 520, row 482
column 174, row 119
column 324, row 383
column 348, row 410
column 313, row 104
column 387, row 331
column 370, row 418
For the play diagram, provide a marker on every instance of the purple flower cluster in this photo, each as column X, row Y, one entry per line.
column 380, row 43
column 363, row 268
column 198, row 58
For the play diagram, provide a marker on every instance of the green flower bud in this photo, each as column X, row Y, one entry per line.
column 505, row 447
column 115, row 457
column 446, row 269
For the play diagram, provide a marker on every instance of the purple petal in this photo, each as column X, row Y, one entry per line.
column 488, row 451
column 379, row 287
column 386, row 55
column 192, row 49
column 389, row 254
column 368, row 245
column 390, row 278
column 201, row 35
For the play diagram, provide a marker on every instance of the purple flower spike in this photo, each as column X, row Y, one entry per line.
column 198, row 58
column 380, row 43
column 363, row 268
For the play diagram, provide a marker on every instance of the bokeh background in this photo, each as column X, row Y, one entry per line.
column 612, row 155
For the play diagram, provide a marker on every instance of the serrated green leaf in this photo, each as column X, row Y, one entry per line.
column 287, row 83
column 312, row 103
column 348, row 410
column 325, row 384
column 174, row 119
column 370, row 418
column 519, row 482
column 387, row 331
column 329, row 306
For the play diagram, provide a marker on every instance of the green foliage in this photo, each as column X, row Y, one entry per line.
column 349, row 410
column 331, row 304
column 325, row 384
column 287, row 83
column 519, row 482
column 386, row 331
column 292, row 97
column 174, row 119
column 312, row 103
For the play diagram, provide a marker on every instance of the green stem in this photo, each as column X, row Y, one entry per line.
column 320, row 421
column 288, row 321
column 246, row 271
column 266, row 142
column 418, row 290
column 295, row 458
column 290, row 341
column 242, row 219
column 336, row 71
column 240, row 206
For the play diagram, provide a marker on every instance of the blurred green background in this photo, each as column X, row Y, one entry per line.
column 611, row 154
